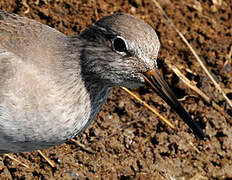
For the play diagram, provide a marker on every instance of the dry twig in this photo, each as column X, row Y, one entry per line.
column 12, row 158
column 198, row 91
column 189, row 83
column 47, row 159
column 82, row 146
column 148, row 107
column 194, row 52
column 24, row 2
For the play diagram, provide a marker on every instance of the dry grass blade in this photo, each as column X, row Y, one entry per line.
column 24, row 2
column 47, row 159
column 189, row 83
column 194, row 53
column 12, row 158
column 228, row 59
column 82, row 146
column 198, row 91
column 149, row 107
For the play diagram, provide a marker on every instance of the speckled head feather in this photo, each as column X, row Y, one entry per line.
column 140, row 36
column 121, row 68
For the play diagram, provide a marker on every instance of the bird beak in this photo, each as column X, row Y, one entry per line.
column 158, row 84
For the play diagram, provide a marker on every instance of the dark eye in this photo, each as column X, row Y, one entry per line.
column 119, row 45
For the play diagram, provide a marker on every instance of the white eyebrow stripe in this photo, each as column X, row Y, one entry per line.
column 99, row 27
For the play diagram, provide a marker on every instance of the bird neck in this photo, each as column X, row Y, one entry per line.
column 98, row 94
column 95, row 91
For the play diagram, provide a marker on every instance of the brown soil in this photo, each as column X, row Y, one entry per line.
column 126, row 141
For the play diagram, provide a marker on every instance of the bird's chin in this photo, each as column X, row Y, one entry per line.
column 134, row 80
column 134, row 83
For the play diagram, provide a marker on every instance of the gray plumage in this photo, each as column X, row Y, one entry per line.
column 52, row 86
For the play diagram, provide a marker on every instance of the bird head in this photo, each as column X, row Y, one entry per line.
column 122, row 51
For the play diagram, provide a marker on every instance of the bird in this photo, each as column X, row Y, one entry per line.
column 52, row 86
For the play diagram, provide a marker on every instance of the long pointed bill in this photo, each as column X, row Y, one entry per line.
column 158, row 84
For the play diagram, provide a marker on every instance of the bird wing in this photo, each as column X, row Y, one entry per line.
column 19, row 34
column 29, row 53
column 26, row 41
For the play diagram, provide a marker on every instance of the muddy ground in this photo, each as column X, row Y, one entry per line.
column 126, row 141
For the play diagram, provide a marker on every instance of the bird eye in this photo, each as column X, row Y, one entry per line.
column 119, row 45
